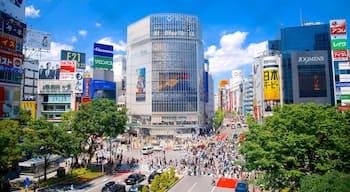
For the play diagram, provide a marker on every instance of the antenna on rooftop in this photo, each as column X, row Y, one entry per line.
column 301, row 16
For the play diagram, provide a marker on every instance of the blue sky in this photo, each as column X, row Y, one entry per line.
column 232, row 31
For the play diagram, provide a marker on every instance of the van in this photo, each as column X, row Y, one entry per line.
column 147, row 150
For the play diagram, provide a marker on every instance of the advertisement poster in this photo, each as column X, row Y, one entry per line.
column 67, row 70
column 49, row 70
column 38, row 40
column 79, row 82
column 271, row 89
column 9, row 102
column 141, row 85
column 74, row 56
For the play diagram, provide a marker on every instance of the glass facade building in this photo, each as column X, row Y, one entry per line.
column 165, row 68
column 305, row 38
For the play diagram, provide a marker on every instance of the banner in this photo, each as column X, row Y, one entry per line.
column 79, row 82
column 141, row 85
column 38, row 40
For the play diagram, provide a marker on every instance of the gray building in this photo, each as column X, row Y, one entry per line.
column 164, row 86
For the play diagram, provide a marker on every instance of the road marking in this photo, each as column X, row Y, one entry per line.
column 194, row 184
column 212, row 189
column 105, row 179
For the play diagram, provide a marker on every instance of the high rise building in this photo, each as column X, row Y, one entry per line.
column 164, row 86
column 306, row 64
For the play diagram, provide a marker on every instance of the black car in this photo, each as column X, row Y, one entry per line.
column 152, row 176
column 112, row 187
column 137, row 188
column 135, row 178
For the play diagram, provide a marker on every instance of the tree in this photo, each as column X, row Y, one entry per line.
column 10, row 150
column 43, row 139
column 332, row 181
column 297, row 140
column 219, row 118
column 100, row 117
column 155, row 184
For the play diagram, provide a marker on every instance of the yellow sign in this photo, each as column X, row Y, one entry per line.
column 29, row 105
column 271, row 85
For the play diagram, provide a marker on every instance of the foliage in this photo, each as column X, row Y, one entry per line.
column 144, row 188
column 44, row 139
column 25, row 117
column 155, row 184
column 164, row 181
column 219, row 118
column 100, row 117
column 333, row 181
column 297, row 140
column 10, row 150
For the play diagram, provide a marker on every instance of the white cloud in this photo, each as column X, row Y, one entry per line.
column 98, row 24
column 82, row 33
column 55, row 53
column 74, row 39
column 30, row 11
column 120, row 46
column 231, row 55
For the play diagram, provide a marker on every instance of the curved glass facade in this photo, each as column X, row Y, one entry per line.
column 176, row 46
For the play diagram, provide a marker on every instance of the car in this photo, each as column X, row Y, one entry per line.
column 137, row 188
column 147, row 150
column 178, row 147
column 242, row 186
column 153, row 175
column 109, row 187
column 135, row 178
column 158, row 148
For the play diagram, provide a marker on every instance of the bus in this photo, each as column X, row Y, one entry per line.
column 35, row 167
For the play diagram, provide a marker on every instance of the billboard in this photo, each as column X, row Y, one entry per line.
column 141, row 84
column 11, row 43
column 174, row 81
column 271, row 88
column 11, row 26
column 67, row 70
column 9, row 102
column 312, row 81
column 103, row 56
column 87, row 87
column 80, row 58
column 49, row 70
column 339, row 44
column 78, row 78
column 223, row 83
column 337, row 27
column 15, row 8
column 103, row 89
column 38, row 39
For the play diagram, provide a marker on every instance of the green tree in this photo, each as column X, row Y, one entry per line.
column 25, row 117
column 154, row 187
column 43, row 139
column 100, row 117
column 219, row 118
column 333, row 181
column 10, row 150
column 164, row 181
column 296, row 141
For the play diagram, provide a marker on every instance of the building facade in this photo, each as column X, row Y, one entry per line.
column 164, row 86
column 307, row 40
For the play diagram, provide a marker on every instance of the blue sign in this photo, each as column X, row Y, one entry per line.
column 26, row 181
column 342, row 84
column 103, row 50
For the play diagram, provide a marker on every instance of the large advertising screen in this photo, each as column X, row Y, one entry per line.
column 49, row 70
column 174, row 81
column 103, row 89
column 312, row 81
column 141, row 84
column 271, row 88
column 74, row 56
column 38, row 39
column 9, row 102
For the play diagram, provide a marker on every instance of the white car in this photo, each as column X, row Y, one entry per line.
column 158, row 148
column 178, row 147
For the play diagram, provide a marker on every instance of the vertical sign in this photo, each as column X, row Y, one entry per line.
column 271, row 88
column 340, row 61
column 141, row 85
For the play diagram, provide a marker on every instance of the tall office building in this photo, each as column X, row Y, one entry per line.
column 164, row 87
column 306, row 64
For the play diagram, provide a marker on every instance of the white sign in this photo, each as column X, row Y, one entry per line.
column 38, row 40
column 15, row 8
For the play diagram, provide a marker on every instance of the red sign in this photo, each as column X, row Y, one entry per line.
column 87, row 82
column 340, row 55
column 67, row 66
column 85, row 100
column 10, row 61
column 338, row 27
